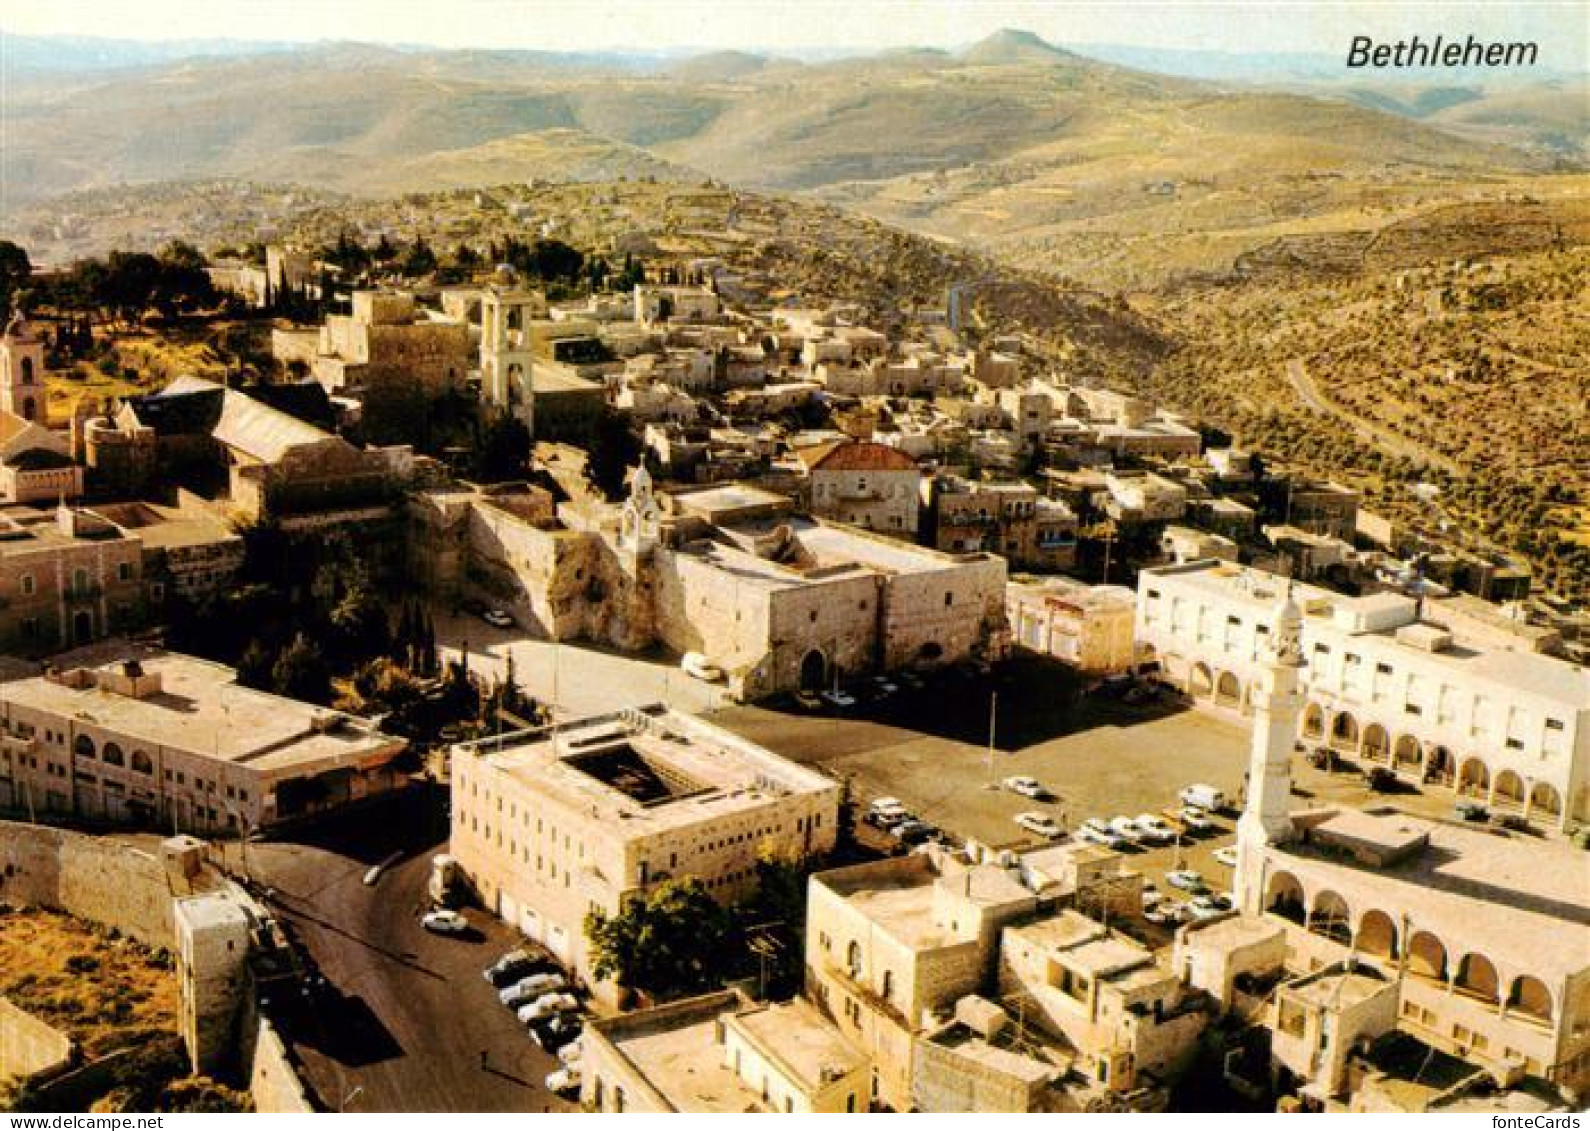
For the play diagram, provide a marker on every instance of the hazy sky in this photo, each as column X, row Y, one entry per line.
column 1562, row 28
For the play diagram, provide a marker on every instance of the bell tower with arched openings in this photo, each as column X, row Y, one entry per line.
column 22, row 389
column 505, row 359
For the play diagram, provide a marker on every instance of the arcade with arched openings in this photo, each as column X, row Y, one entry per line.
column 1377, row 743
column 1330, row 918
column 1377, row 934
column 1228, row 691
column 1284, row 897
column 1344, row 731
column 1314, row 721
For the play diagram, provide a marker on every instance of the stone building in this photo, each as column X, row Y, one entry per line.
column 551, row 824
column 777, row 601
column 391, row 358
column 1090, row 627
column 36, row 464
column 721, row 1053
column 67, row 577
column 1435, row 928
column 863, row 484
column 1438, row 704
column 1009, row 519
column 22, row 390
column 891, row 943
column 143, row 736
column 221, row 440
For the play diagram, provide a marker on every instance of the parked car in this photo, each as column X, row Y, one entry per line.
column 554, row 1032
column 1203, row 907
column 1040, row 823
column 444, row 922
column 497, row 618
column 1152, row 896
column 1154, row 829
column 1174, row 911
column 1186, row 879
column 511, row 967
column 528, row 989
column 1027, row 787
column 1126, row 829
column 1227, row 856
column 886, row 812
column 1471, row 811
column 882, row 687
column 565, row 1079
column 546, row 1005
column 839, row 700
column 1205, row 797
column 913, row 831
column 1095, row 831
column 1195, row 819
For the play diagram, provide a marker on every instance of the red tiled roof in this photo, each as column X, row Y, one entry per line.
column 838, row 455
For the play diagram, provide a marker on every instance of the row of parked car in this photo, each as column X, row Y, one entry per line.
column 530, row 984
column 874, row 689
column 889, row 815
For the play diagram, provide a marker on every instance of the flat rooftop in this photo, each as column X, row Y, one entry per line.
column 1085, row 945
column 678, row 1052
column 795, row 1035
column 901, row 897
column 1524, row 672
column 1335, row 987
column 202, row 710
column 652, row 770
column 1476, row 890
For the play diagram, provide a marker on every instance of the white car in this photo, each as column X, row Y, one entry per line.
column 1186, row 879
column 840, row 699
column 1126, row 829
column 1204, row 907
column 1152, row 897
column 889, row 809
column 1027, row 787
column 1040, row 823
column 528, row 989
column 497, row 618
column 444, row 922
column 695, row 664
column 1154, row 829
column 1095, row 831
column 1195, row 819
column 546, row 1005
column 1227, row 856
column 565, row 1079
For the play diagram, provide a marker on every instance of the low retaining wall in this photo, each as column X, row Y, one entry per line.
column 273, row 1080
column 30, row 1047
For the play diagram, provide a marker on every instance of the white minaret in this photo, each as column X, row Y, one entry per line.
column 1278, row 702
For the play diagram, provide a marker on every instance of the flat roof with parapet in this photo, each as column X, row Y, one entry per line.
column 899, row 898
column 1336, row 987
column 1085, row 945
column 1527, row 672
column 676, row 1049
column 652, row 770
column 1475, row 890
column 795, row 1036
column 201, row 710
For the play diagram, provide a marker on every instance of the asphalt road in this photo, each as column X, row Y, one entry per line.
column 410, row 1016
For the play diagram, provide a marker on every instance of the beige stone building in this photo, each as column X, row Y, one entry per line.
column 1090, row 627
column 863, row 484
column 1442, row 704
column 889, row 945
column 22, row 391
column 137, row 735
column 551, row 824
column 776, row 600
column 1475, row 945
column 721, row 1053
column 1009, row 519
column 391, row 357
column 67, row 577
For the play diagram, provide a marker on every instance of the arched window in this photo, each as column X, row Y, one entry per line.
column 83, row 746
column 1530, row 997
column 141, row 763
column 112, row 755
column 1476, row 977
column 1427, row 956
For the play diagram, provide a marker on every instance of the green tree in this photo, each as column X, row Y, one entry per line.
column 301, row 673
column 612, row 452
column 15, row 268
column 667, row 944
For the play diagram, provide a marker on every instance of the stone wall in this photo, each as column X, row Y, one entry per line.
column 30, row 1047
column 273, row 1082
column 109, row 882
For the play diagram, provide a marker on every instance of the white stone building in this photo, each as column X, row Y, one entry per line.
column 552, row 824
column 1432, row 703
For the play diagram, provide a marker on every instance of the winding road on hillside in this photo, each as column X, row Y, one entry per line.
column 1381, row 437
